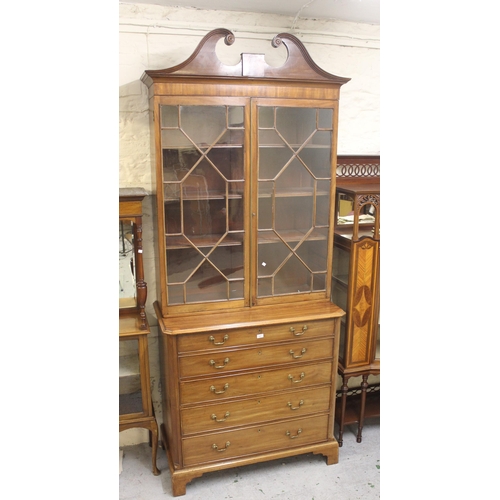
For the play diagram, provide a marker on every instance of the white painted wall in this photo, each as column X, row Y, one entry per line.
column 154, row 37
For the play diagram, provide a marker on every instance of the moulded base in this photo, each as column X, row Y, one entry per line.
column 181, row 477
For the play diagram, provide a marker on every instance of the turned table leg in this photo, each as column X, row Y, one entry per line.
column 364, row 386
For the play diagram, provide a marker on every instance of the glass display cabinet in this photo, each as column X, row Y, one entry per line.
column 135, row 405
column 355, row 287
column 245, row 160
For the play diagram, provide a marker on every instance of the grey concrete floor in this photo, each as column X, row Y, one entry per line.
column 304, row 477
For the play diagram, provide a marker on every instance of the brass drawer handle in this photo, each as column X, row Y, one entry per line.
column 301, row 402
column 302, row 375
column 212, row 339
column 212, row 363
column 293, row 437
column 298, row 334
column 214, row 417
column 212, row 388
column 215, row 447
column 302, row 352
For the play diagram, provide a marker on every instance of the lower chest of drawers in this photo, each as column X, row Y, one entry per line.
column 251, row 385
column 234, row 396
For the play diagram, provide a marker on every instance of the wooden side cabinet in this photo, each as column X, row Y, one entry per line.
column 135, row 405
column 245, row 159
column 355, row 287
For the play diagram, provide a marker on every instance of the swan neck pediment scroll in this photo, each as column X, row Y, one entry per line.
column 298, row 66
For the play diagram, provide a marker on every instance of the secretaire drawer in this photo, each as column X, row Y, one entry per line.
column 263, row 408
column 254, row 357
column 257, row 335
column 257, row 439
column 219, row 388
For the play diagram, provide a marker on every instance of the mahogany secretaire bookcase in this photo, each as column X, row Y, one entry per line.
column 244, row 159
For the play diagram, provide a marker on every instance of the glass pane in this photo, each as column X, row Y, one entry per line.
column 323, row 203
column 128, row 287
column 325, row 118
column 313, row 251
column 130, row 392
column 203, row 124
column 340, row 266
column 208, row 272
column 296, row 124
column 317, row 160
column 345, row 207
column 293, row 277
column 235, row 209
column 236, row 116
column 271, row 254
column 294, row 177
column 266, row 117
column 181, row 260
column 204, row 184
column 294, row 215
column 169, row 116
column 175, row 139
column 294, row 174
column 319, row 282
column 265, row 213
column 272, row 160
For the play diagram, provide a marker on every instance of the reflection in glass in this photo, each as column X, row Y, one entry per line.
column 128, row 289
column 349, row 218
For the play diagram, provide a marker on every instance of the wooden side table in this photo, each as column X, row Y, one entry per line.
column 136, row 407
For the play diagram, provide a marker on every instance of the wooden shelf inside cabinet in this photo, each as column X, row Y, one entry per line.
column 295, row 193
column 176, row 242
column 270, row 236
column 210, row 195
column 244, row 202
column 135, row 405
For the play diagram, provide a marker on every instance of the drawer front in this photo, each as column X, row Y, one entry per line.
column 290, row 404
column 220, row 388
column 252, row 440
column 255, row 336
column 255, row 357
